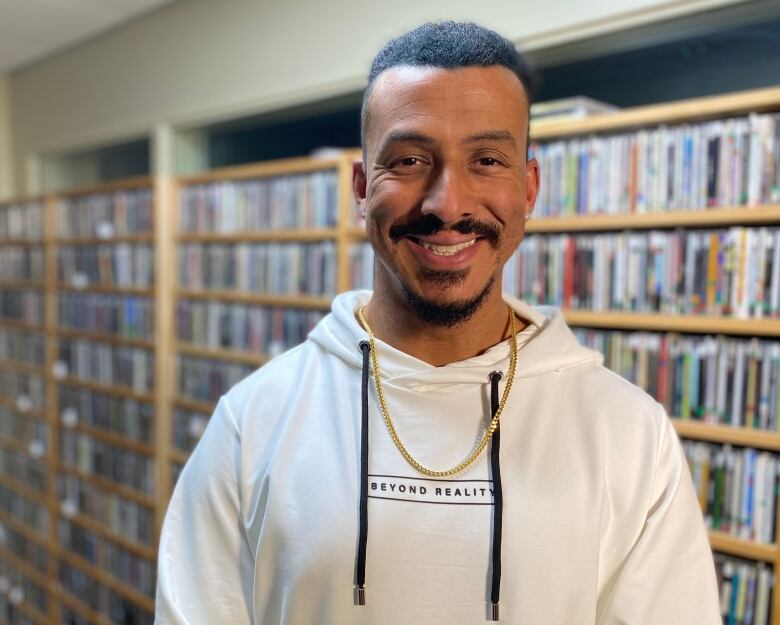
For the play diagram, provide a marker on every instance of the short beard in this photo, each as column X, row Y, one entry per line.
column 445, row 315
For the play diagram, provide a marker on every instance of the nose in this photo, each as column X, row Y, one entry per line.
column 448, row 196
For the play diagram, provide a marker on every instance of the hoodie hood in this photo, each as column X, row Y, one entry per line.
column 550, row 346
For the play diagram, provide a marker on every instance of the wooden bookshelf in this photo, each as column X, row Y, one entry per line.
column 694, row 110
column 104, row 533
column 166, row 293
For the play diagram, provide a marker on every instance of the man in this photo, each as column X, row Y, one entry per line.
column 322, row 493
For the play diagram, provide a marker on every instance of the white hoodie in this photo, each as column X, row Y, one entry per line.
column 600, row 521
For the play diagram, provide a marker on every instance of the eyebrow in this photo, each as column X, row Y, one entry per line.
column 404, row 136
column 502, row 136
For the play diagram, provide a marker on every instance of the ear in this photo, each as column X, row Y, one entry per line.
column 531, row 186
column 359, row 183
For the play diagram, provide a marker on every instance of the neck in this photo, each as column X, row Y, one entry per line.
column 394, row 323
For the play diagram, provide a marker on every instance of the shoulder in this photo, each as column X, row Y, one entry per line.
column 270, row 384
column 627, row 423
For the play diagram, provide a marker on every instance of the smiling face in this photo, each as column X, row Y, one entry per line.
column 445, row 185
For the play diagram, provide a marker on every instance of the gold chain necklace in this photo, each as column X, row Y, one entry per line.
column 488, row 432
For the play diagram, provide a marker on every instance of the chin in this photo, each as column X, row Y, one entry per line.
column 445, row 311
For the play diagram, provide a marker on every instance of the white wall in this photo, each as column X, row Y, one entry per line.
column 206, row 60
column 6, row 152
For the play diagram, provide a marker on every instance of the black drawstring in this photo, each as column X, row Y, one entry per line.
column 498, row 499
column 360, row 565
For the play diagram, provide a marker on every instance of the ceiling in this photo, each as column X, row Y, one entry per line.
column 33, row 29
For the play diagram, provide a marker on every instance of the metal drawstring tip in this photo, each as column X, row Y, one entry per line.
column 494, row 612
column 360, row 596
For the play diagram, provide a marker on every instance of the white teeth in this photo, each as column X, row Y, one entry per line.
column 447, row 250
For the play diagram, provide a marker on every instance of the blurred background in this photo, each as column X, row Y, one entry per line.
column 175, row 209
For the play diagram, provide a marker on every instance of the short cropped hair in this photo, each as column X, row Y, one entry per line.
column 450, row 45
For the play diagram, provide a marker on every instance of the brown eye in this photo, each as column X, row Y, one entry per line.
column 488, row 161
column 409, row 161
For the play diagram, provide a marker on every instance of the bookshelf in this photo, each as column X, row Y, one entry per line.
column 318, row 194
column 161, row 317
column 765, row 213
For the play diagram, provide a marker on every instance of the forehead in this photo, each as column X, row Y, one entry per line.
column 446, row 102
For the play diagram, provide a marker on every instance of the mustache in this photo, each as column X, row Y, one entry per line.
column 431, row 224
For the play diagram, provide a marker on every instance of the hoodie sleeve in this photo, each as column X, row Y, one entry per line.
column 669, row 574
column 205, row 567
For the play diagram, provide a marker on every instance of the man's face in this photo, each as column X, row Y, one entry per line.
column 446, row 186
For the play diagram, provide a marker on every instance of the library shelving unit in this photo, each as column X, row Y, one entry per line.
column 79, row 532
column 91, row 370
column 248, row 239
column 103, row 409
column 670, row 115
column 27, row 504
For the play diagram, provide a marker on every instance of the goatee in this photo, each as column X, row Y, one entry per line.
column 445, row 315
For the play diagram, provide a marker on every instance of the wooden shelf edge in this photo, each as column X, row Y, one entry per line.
column 11, row 443
column 197, row 405
column 288, row 166
column 711, row 217
column 103, row 288
column 76, row 604
column 728, row 544
column 114, row 339
column 17, row 366
column 114, row 438
column 110, row 485
column 10, row 404
column 702, row 108
column 21, row 285
column 230, row 355
column 673, row 323
column 140, row 237
column 13, row 324
column 27, row 531
column 269, row 236
column 107, row 579
column 27, row 492
column 178, row 455
column 718, row 433
column 124, row 184
column 108, row 389
column 138, row 549
column 25, row 568
column 22, row 242
column 312, row 302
